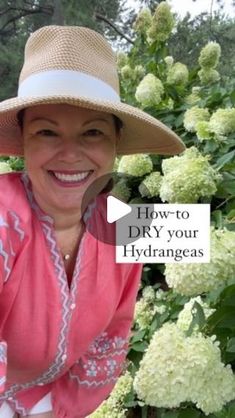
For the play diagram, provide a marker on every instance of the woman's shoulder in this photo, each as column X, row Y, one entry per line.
column 12, row 194
column 11, row 181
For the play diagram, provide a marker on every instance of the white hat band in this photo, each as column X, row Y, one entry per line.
column 66, row 83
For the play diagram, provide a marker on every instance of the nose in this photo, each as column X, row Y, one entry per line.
column 71, row 150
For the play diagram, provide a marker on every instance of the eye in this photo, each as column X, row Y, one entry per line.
column 46, row 132
column 93, row 133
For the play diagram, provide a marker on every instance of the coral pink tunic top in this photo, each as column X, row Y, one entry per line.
column 70, row 341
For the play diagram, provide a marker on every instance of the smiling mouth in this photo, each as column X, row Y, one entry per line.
column 70, row 178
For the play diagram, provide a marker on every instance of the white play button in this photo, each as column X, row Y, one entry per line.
column 116, row 209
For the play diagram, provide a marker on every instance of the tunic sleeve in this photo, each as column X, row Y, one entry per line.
column 11, row 235
column 3, row 365
column 5, row 263
column 91, row 379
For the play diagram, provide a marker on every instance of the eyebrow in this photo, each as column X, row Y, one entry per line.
column 55, row 123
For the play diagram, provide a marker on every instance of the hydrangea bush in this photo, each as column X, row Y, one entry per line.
column 182, row 350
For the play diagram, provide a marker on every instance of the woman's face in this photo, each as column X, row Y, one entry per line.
column 66, row 148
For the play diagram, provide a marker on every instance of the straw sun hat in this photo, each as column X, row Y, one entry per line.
column 76, row 65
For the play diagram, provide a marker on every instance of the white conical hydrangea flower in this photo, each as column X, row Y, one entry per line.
column 113, row 407
column 178, row 74
column 135, row 165
column 126, row 72
column 208, row 76
column 143, row 21
column 177, row 369
column 150, row 186
column 146, row 307
column 149, row 91
column 121, row 191
column 170, row 104
column 222, row 122
column 169, row 60
column 193, row 279
column 186, row 315
column 122, row 59
column 162, row 23
column 188, row 177
column 194, row 115
column 196, row 89
column 148, row 294
column 210, row 55
column 203, row 131
column 139, row 71
column 194, row 97
column 144, row 313
column 4, row 167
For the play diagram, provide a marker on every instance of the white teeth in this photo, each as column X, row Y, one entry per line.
column 72, row 177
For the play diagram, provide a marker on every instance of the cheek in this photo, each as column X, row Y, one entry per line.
column 36, row 155
column 104, row 154
column 103, row 158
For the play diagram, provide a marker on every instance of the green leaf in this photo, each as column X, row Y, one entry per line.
column 139, row 346
column 179, row 120
column 189, row 413
column 231, row 346
column 217, row 217
column 231, row 214
column 198, row 318
column 228, row 186
column 232, row 96
column 225, row 159
column 227, row 293
column 210, row 147
column 144, row 412
column 170, row 414
column 223, row 317
column 138, row 336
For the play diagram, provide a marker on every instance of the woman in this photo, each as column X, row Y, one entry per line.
column 66, row 307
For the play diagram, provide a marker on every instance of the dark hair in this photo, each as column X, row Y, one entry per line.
column 20, row 117
column 118, row 124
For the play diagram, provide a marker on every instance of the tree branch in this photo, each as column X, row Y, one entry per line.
column 24, row 12
column 211, row 14
column 106, row 20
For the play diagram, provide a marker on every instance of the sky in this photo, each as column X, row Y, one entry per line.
column 181, row 7
column 199, row 6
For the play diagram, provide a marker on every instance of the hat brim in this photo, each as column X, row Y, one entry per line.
column 141, row 132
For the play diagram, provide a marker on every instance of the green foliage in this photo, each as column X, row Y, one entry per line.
column 16, row 163
column 192, row 33
column 18, row 19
